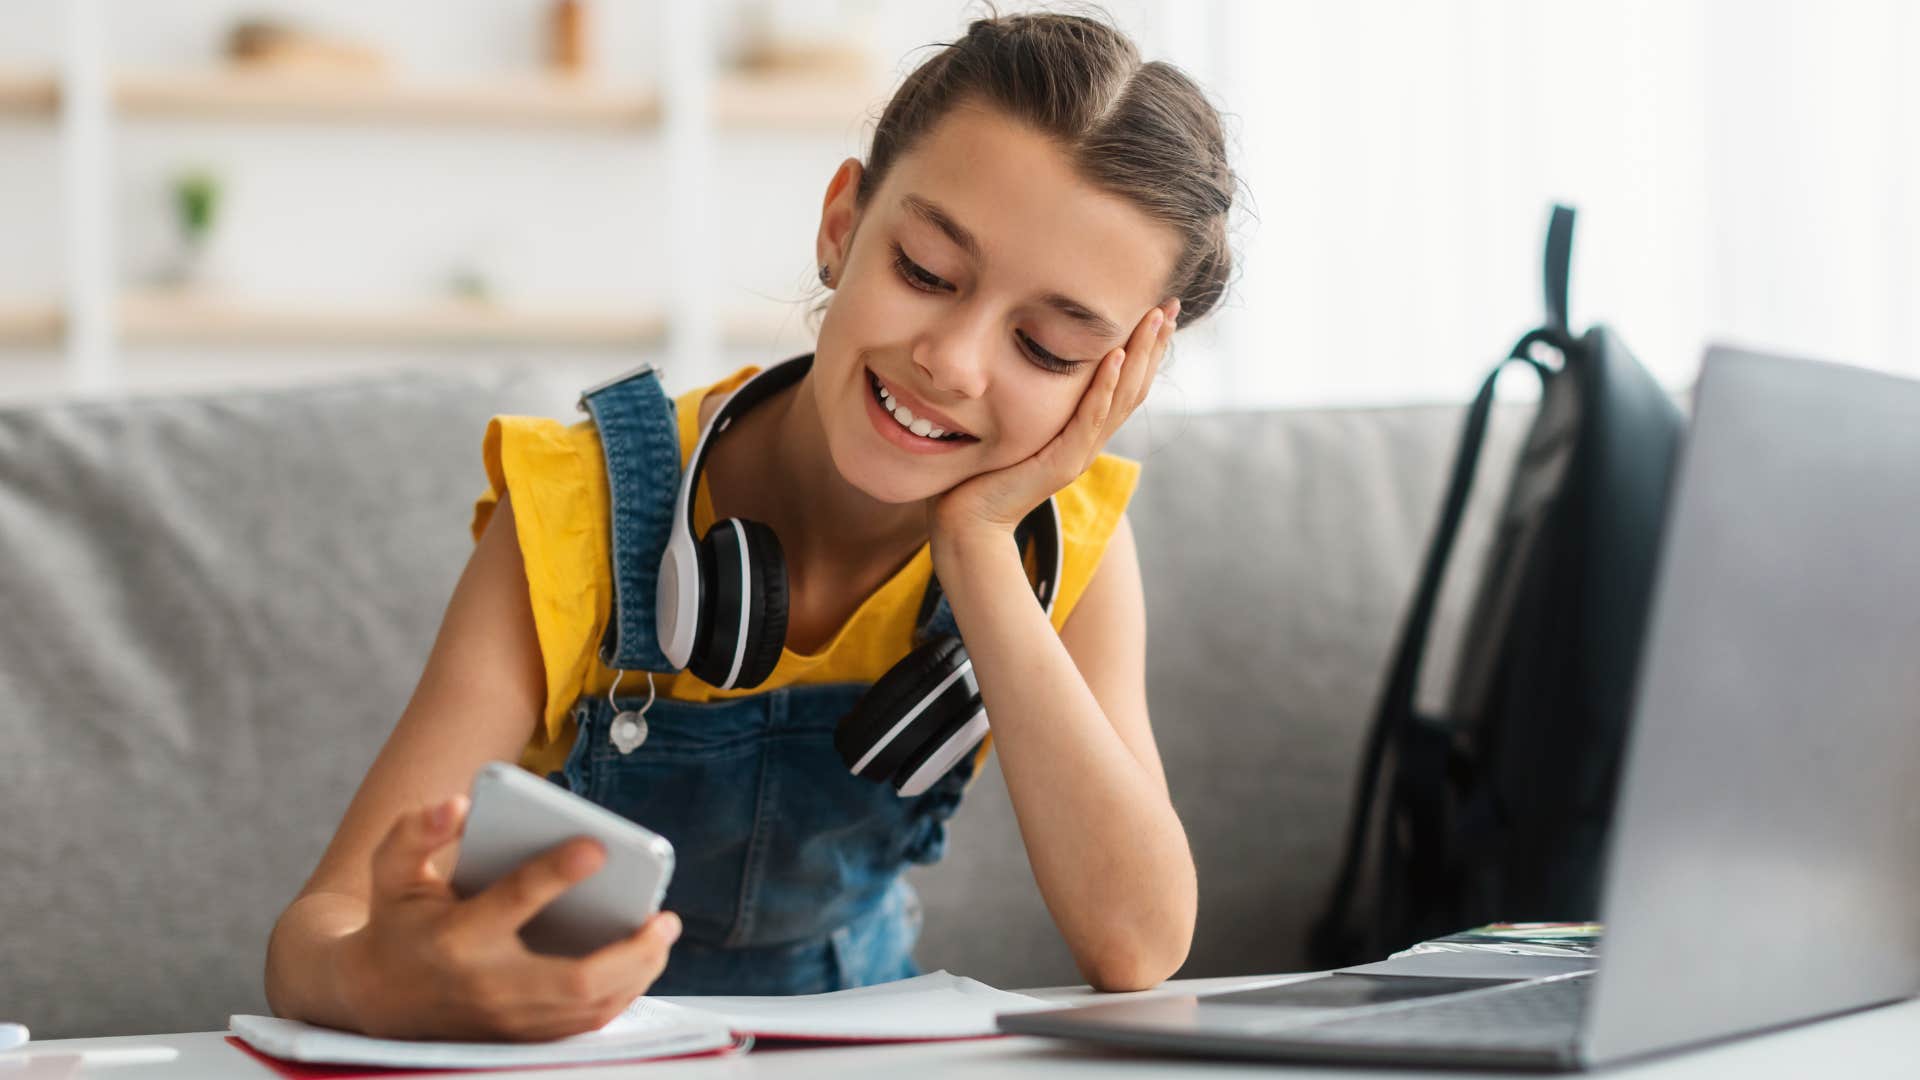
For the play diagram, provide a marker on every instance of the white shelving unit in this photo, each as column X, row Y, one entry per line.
column 686, row 112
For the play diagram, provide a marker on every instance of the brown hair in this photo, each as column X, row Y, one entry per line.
column 1143, row 131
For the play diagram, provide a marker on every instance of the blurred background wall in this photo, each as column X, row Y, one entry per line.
column 212, row 192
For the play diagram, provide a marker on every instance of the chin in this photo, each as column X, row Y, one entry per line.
column 866, row 469
column 884, row 473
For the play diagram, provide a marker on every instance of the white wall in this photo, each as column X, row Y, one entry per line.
column 1745, row 170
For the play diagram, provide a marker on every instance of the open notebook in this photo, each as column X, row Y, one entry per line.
column 934, row 1006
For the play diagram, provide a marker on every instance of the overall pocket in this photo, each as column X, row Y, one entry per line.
column 696, row 781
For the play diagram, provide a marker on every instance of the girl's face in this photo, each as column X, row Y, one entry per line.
column 979, row 288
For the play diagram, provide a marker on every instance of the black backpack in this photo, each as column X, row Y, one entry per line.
column 1497, row 809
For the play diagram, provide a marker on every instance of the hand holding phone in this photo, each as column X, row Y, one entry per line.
column 429, row 963
column 517, row 816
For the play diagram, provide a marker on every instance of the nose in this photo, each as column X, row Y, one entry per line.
column 953, row 356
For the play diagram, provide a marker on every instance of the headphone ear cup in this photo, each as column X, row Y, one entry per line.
column 866, row 738
column 722, row 595
column 767, row 620
column 942, row 750
column 743, row 580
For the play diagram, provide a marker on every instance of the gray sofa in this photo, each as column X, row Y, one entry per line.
column 213, row 607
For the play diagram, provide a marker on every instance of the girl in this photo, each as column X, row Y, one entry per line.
column 1038, row 210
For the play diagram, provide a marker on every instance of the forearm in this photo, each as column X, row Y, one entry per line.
column 1107, row 849
column 302, row 958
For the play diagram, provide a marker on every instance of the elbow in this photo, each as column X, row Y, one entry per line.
column 1121, row 969
column 1140, row 945
column 1142, row 959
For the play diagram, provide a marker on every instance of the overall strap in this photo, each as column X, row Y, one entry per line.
column 936, row 615
column 1040, row 528
column 640, row 439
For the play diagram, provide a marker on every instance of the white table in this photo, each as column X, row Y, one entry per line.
column 1882, row 1042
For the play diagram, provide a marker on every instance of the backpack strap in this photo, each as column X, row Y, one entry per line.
column 1558, row 267
column 1334, row 939
column 1424, row 748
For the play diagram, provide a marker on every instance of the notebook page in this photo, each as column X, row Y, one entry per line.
column 650, row 1027
column 938, row 1005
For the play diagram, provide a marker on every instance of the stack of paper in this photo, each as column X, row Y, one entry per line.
column 934, row 1006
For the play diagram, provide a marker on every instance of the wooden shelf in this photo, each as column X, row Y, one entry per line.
column 751, row 101
column 239, row 94
column 161, row 317
column 29, row 92
column 25, row 323
column 804, row 102
column 156, row 317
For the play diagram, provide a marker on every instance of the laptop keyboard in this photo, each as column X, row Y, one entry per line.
column 1541, row 1015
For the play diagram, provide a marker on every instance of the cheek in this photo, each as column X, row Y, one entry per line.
column 1035, row 411
column 868, row 311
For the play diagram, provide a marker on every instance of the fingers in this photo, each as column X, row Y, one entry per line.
column 401, row 862
column 1144, row 352
column 507, row 904
column 1117, row 389
column 558, row 996
column 632, row 964
column 1097, row 406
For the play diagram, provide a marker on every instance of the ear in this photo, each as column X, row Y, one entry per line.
column 838, row 217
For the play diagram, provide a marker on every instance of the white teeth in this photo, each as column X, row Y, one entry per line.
column 902, row 415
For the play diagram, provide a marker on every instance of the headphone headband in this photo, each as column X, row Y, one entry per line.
column 678, row 603
column 758, row 388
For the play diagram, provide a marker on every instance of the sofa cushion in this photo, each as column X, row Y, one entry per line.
column 215, row 608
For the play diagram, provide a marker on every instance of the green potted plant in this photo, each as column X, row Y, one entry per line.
column 196, row 208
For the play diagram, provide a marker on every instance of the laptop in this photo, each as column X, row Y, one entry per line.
column 1764, row 862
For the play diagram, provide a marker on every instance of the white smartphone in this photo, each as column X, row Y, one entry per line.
column 515, row 816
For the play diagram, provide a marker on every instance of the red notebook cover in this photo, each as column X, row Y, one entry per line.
column 302, row 1070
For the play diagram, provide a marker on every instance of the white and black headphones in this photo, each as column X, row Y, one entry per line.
column 722, row 614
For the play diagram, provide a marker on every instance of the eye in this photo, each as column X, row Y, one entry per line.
column 913, row 274
column 1044, row 358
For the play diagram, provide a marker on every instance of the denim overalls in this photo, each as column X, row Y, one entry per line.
column 787, row 867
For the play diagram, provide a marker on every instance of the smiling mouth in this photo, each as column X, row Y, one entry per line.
column 918, row 425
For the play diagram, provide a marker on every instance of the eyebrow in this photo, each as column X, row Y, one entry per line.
column 932, row 214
